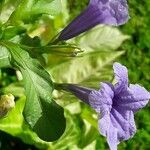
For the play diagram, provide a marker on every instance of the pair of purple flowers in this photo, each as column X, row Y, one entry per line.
column 115, row 104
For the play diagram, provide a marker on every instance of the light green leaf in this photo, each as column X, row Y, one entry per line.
column 6, row 9
column 4, row 57
column 40, row 112
column 94, row 64
column 15, row 125
column 83, row 68
column 101, row 38
column 51, row 7
column 31, row 9
column 15, row 88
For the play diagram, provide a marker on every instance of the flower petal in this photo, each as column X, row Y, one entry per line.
column 85, row 21
column 135, row 98
column 106, row 129
column 117, row 126
column 117, row 10
column 101, row 100
column 110, row 12
column 121, row 75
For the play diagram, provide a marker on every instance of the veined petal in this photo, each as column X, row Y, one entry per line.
column 101, row 100
column 135, row 98
column 107, row 129
column 117, row 126
column 117, row 10
column 123, row 120
column 121, row 75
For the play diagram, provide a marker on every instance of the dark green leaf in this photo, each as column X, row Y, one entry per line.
column 71, row 135
column 12, row 31
column 15, row 125
column 41, row 112
column 1, row 5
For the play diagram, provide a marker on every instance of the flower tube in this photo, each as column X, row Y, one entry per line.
column 109, row 12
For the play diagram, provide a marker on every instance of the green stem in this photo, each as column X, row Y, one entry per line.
column 59, row 86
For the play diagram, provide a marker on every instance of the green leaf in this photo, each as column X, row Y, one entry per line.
column 1, row 5
column 15, row 125
column 71, row 136
column 84, row 68
column 101, row 38
column 15, row 88
column 94, row 64
column 6, row 9
column 41, row 112
column 51, row 7
column 31, row 9
column 4, row 57
column 11, row 31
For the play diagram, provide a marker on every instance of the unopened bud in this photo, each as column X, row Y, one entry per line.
column 6, row 104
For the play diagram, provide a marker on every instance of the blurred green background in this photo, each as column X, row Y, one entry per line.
column 80, row 134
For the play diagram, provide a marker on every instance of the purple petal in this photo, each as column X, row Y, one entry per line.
column 117, row 10
column 135, row 98
column 110, row 12
column 101, row 100
column 106, row 129
column 85, row 21
column 117, row 126
column 121, row 75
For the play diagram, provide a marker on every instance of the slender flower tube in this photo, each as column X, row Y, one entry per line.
column 115, row 104
column 110, row 12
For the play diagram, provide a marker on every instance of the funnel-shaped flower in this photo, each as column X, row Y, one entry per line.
column 110, row 12
column 115, row 104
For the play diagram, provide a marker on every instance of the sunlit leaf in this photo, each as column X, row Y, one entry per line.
column 94, row 64
column 81, row 69
column 29, row 10
column 15, row 125
column 101, row 38
column 4, row 57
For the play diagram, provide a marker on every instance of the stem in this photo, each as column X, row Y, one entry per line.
column 59, row 86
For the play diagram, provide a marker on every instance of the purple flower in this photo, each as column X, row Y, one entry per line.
column 110, row 12
column 115, row 104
